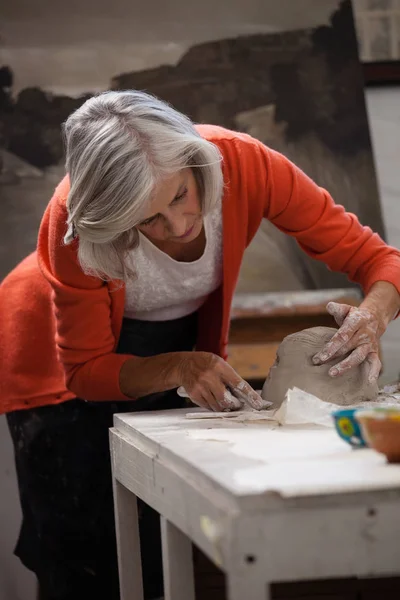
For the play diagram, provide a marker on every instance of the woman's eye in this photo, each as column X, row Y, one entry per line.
column 181, row 196
column 156, row 217
column 149, row 221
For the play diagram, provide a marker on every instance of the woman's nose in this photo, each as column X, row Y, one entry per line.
column 177, row 227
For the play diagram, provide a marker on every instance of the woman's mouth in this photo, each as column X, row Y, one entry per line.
column 187, row 233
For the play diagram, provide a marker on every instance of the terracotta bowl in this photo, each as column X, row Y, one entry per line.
column 381, row 430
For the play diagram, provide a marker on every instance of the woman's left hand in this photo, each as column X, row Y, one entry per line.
column 360, row 329
column 359, row 333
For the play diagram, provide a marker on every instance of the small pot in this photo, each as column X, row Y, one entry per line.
column 381, row 431
column 348, row 427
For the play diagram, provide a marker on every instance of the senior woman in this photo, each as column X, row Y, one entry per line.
column 128, row 297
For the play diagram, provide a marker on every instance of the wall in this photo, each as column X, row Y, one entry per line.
column 383, row 106
column 22, row 209
column 16, row 582
column 59, row 45
column 246, row 83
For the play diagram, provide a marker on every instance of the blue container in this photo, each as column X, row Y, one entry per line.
column 348, row 427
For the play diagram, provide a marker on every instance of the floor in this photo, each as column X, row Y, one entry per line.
column 22, row 208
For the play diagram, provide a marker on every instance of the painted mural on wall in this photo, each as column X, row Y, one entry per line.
column 298, row 91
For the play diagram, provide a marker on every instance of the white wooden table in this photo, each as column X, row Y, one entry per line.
column 265, row 504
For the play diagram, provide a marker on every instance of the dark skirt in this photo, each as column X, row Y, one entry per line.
column 63, row 466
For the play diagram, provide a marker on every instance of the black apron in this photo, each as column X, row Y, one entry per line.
column 63, row 467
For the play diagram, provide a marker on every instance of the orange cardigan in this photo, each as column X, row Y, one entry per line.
column 58, row 341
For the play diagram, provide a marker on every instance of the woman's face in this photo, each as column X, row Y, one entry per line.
column 174, row 214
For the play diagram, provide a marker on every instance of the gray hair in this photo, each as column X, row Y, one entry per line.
column 119, row 146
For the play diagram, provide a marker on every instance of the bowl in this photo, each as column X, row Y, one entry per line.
column 380, row 428
column 348, row 427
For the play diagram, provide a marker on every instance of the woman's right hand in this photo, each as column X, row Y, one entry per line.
column 211, row 383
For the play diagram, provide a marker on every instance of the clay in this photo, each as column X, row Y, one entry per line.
column 293, row 367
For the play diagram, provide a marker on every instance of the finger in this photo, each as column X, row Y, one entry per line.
column 200, row 401
column 241, row 389
column 223, row 398
column 354, row 360
column 356, row 340
column 245, row 393
column 338, row 311
column 341, row 337
column 374, row 367
column 204, row 398
column 212, row 401
column 257, row 403
column 230, row 402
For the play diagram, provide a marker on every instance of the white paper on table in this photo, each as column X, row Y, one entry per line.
column 298, row 408
column 302, row 408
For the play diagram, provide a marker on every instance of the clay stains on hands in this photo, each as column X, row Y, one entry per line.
column 358, row 335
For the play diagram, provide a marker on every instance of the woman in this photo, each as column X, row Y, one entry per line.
column 138, row 255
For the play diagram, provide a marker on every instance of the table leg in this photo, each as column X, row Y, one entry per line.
column 247, row 587
column 128, row 543
column 177, row 563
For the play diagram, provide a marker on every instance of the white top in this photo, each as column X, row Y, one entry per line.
column 166, row 289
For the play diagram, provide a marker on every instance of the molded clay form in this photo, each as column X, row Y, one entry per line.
column 294, row 368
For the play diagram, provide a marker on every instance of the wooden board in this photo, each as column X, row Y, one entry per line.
column 249, row 330
column 260, row 322
column 291, row 303
column 252, row 361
